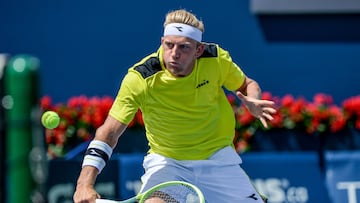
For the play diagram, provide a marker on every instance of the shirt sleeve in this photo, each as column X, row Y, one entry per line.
column 127, row 101
column 232, row 75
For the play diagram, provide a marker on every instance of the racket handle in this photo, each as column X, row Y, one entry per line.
column 131, row 200
column 105, row 201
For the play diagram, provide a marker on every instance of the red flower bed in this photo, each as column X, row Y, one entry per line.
column 81, row 115
column 319, row 116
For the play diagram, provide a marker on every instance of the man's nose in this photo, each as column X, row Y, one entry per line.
column 175, row 52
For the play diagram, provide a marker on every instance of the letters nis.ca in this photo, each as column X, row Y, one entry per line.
column 280, row 190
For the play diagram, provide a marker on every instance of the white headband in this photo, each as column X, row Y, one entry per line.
column 184, row 30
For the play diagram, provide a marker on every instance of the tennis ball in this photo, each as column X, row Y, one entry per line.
column 50, row 119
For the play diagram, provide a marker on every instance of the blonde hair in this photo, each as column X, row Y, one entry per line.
column 185, row 17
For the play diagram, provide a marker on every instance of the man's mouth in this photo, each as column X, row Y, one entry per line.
column 174, row 64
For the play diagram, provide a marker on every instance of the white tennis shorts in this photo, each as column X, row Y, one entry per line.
column 220, row 178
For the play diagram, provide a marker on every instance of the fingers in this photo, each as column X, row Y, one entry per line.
column 261, row 109
column 88, row 197
column 269, row 110
column 263, row 122
column 266, row 115
column 268, row 105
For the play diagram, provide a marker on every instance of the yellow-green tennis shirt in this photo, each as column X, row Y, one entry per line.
column 186, row 118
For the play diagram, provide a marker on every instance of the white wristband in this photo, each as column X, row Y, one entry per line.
column 97, row 154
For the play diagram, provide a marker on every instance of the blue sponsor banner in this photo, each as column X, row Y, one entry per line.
column 288, row 177
column 343, row 176
column 130, row 172
column 63, row 174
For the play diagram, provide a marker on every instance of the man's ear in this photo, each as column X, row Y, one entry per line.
column 199, row 50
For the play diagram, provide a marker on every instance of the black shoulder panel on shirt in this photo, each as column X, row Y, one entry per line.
column 210, row 50
column 149, row 67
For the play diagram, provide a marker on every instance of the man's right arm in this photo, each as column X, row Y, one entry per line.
column 108, row 133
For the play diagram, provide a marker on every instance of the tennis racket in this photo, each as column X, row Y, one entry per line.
column 167, row 192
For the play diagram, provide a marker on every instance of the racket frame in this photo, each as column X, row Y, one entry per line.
column 141, row 197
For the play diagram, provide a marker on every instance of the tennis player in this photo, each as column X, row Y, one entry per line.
column 188, row 120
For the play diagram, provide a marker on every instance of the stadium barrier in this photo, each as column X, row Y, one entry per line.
column 286, row 177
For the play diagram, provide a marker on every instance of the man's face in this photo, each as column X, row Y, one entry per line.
column 180, row 54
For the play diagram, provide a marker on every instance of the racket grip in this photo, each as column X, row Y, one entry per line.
column 105, row 201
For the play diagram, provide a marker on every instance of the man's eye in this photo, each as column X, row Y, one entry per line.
column 169, row 45
column 184, row 46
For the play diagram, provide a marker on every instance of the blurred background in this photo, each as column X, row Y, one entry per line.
column 84, row 48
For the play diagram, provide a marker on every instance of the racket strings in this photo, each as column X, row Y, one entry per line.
column 160, row 197
column 173, row 194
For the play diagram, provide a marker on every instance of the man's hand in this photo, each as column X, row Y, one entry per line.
column 261, row 109
column 85, row 194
